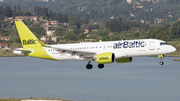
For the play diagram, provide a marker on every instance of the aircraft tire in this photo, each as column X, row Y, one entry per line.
column 161, row 63
column 89, row 66
column 100, row 66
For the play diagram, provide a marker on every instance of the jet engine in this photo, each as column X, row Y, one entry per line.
column 104, row 58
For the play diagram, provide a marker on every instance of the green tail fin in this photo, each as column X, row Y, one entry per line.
column 28, row 39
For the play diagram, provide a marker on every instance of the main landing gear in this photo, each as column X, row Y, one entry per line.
column 161, row 62
column 90, row 66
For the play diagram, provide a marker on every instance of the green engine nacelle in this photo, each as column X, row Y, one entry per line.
column 104, row 58
column 124, row 60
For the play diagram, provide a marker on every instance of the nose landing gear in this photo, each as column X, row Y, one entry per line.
column 161, row 62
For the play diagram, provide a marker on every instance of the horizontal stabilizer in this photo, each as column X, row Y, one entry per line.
column 21, row 51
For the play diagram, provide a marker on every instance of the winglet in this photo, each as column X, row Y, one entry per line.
column 27, row 37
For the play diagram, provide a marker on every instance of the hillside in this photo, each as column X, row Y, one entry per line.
column 146, row 11
column 75, row 20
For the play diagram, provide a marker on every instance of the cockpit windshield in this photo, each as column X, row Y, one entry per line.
column 164, row 43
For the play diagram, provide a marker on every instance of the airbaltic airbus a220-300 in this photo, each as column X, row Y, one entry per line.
column 103, row 52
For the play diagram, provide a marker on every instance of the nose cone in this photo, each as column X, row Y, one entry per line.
column 172, row 49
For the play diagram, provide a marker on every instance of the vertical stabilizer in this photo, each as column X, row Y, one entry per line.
column 28, row 39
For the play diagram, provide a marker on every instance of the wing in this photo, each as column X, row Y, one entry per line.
column 83, row 54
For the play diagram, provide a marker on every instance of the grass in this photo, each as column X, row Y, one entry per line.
column 176, row 59
column 9, row 53
column 19, row 99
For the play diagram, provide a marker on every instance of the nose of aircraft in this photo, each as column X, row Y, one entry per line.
column 172, row 49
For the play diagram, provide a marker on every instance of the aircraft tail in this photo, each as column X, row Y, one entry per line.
column 28, row 39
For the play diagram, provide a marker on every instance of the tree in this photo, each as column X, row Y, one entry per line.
column 38, row 31
column 17, row 39
column 15, row 8
column 75, row 21
column 174, row 30
column 81, row 36
column 7, row 11
column 60, row 31
column 35, row 9
column 71, row 36
column 19, row 7
column 110, row 2
column 103, row 32
column 161, row 32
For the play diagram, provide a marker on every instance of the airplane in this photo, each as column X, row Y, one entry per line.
column 121, row 51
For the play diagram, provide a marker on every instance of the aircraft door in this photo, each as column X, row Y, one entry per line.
column 104, row 47
column 151, row 45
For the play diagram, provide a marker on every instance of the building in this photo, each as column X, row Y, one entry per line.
column 50, row 33
column 86, row 31
column 45, row 38
column 89, row 40
column 54, row 39
column 49, row 24
column 110, row 34
column 20, row 18
column 3, row 45
column 139, row 6
column 8, row 19
column 158, row 20
column 66, row 24
column 112, row 17
column 7, row 38
column 142, row 21
column 54, row 23
column 129, row 1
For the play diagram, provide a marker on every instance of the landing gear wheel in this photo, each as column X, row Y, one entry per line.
column 89, row 66
column 100, row 66
column 161, row 63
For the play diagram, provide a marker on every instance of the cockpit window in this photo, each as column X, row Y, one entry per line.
column 161, row 43
column 164, row 43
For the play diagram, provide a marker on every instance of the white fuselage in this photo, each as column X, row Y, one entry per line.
column 122, row 48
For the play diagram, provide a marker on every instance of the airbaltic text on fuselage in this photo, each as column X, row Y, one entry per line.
column 29, row 42
column 129, row 44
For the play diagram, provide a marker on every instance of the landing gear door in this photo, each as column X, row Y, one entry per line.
column 151, row 45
